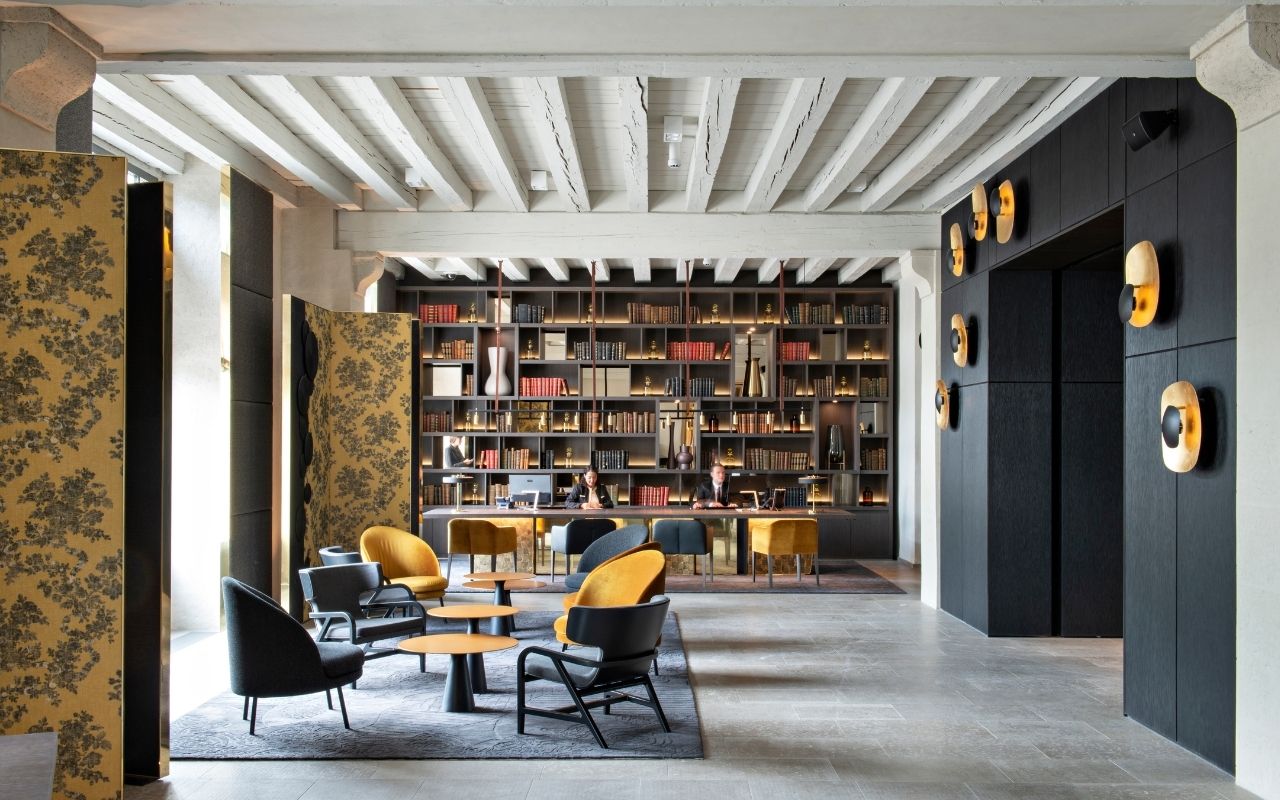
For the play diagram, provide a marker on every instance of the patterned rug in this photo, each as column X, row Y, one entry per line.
column 846, row 578
column 396, row 714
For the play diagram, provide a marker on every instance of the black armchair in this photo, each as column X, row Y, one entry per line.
column 603, row 549
column 335, row 555
column 341, row 596
column 619, row 644
column 572, row 539
column 688, row 537
column 272, row 655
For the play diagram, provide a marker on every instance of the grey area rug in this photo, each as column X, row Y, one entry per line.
column 396, row 714
column 848, row 578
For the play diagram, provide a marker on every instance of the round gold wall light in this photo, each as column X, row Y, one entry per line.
column 957, row 250
column 959, row 341
column 942, row 405
column 1001, row 206
column 1141, row 292
column 978, row 218
column 1180, row 426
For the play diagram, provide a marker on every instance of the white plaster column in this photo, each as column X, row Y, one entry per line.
column 45, row 63
column 917, row 435
column 200, row 493
column 1240, row 62
column 313, row 268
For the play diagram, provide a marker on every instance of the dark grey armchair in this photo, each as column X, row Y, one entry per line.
column 334, row 555
column 340, row 598
column 272, row 655
column 619, row 644
column 686, row 537
column 601, row 550
column 574, row 538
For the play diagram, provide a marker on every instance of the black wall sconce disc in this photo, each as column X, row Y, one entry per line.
column 959, row 341
column 1001, row 208
column 310, row 351
column 978, row 217
column 957, row 250
column 1180, row 426
column 1141, row 292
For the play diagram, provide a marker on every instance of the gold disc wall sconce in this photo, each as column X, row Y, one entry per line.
column 978, row 217
column 957, row 250
column 1180, row 426
column 942, row 405
column 959, row 341
column 1000, row 206
column 1141, row 292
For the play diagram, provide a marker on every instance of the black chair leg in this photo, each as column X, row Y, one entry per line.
column 798, row 578
column 245, row 716
column 519, row 699
column 587, row 718
column 655, row 666
column 342, row 703
column 657, row 707
column 253, row 716
column 422, row 667
column 817, row 573
column 328, row 698
column 769, row 561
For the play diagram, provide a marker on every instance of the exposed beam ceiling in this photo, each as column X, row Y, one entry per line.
column 129, row 136
column 633, row 103
column 641, row 270
column 727, row 269
column 557, row 268
column 514, row 268
column 718, row 100
column 856, row 268
column 803, row 111
column 554, row 130
column 469, row 105
column 466, row 267
column 425, row 267
column 769, row 270
column 813, row 268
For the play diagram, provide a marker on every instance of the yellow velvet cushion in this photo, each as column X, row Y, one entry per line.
column 628, row 579
column 404, row 558
column 778, row 537
column 480, row 537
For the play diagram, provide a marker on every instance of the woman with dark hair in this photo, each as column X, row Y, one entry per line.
column 588, row 493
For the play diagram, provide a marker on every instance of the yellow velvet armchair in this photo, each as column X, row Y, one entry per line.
column 405, row 559
column 630, row 579
column 571, row 599
column 784, row 537
column 478, row 537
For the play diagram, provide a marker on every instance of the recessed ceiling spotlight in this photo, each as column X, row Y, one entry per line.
column 672, row 134
column 538, row 180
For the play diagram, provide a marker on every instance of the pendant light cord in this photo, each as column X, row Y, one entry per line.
column 595, row 393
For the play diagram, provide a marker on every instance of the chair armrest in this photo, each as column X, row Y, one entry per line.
column 330, row 617
column 554, row 655
column 391, row 594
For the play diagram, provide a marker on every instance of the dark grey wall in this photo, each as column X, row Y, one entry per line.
column 1171, row 584
column 74, row 130
column 251, row 348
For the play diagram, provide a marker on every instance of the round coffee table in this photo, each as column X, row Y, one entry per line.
column 473, row 613
column 458, row 694
column 501, row 626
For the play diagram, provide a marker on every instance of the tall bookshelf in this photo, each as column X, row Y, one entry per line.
column 826, row 356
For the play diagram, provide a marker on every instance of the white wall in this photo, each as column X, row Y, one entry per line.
column 200, row 490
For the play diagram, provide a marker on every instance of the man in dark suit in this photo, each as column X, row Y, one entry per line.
column 588, row 493
column 714, row 493
column 453, row 456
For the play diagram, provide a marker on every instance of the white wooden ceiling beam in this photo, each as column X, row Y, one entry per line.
column 129, row 136
column 963, row 116
column 884, row 114
column 388, row 109
column 601, row 267
column 470, row 107
column 308, row 102
column 633, row 103
column 466, row 267
column 167, row 116
column 425, row 267
column 641, row 270
column 813, row 268
column 569, row 235
column 803, row 110
column 718, row 100
column 684, row 265
column 769, row 270
column 727, row 269
column 255, row 123
column 971, row 64
column 856, row 268
column 553, row 128
column 557, row 268
column 1061, row 100
column 514, row 268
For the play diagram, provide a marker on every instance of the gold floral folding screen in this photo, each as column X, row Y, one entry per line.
column 62, row 287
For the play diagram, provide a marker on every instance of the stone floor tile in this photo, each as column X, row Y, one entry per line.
column 363, row 788
column 916, row 791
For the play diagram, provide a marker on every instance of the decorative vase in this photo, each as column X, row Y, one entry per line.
column 684, row 459
column 498, row 383
column 835, row 447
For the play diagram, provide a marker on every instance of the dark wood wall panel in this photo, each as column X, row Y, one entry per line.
column 1206, row 562
column 1152, row 214
column 974, row 483
column 1207, row 239
column 251, row 361
column 951, row 517
column 1020, row 511
column 1117, row 103
column 1045, row 214
column 1091, row 525
column 1150, row 549
column 976, row 305
column 1084, row 162
column 953, row 302
column 1207, row 123
column 1091, row 338
column 1159, row 158
column 1020, row 340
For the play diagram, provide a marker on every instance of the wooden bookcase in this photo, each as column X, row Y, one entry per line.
column 624, row 419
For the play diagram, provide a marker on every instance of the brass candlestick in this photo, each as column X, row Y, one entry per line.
column 768, row 312
column 648, row 381
column 568, row 458
column 471, row 313
column 653, row 348
column 715, row 312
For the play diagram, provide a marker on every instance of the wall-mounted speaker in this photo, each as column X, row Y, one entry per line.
column 1145, row 127
column 942, row 405
column 959, row 341
column 1000, row 207
column 1180, row 426
column 978, row 218
column 957, row 250
column 1141, row 292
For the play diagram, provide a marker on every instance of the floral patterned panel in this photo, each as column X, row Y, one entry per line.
column 62, row 297
column 361, row 422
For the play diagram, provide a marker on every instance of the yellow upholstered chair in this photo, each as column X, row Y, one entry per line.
column 405, row 559
column 782, row 537
column 571, row 599
column 628, row 580
column 478, row 537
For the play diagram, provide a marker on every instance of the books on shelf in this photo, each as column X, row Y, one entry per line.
column 461, row 349
column 605, row 351
column 543, row 387
column 809, row 314
column 698, row 387
column 650, row 495
column 619, row 421
column 525, row 312
column 795, row 497
column 691, row 351
column 875, row 458
column 435, row 314
column 824, row 387
column 648, row 314
column 765, row 459
column 437, row 494
column 724, row 353
column 865, row 315
column 610, row 459
column 437, row 422
column 793, row 351
column 873, row 387
column 753, row 421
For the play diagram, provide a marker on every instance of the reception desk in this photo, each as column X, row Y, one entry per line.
column 435, row 522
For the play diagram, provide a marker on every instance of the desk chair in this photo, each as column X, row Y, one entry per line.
column 572, row 539
column 778, row 537
column 680, row 537
column 479, row 537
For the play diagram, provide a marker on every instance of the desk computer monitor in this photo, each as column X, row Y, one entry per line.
column 531, row 487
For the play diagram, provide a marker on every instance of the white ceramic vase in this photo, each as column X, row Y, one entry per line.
column 498, row 382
